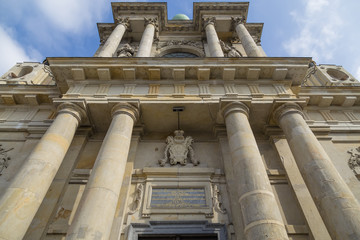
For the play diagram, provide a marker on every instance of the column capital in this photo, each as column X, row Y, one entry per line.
column 235, row 107
column 238, row 20
column 123, row 21
column 153, row 21
column 126, row 108
column 209, row 20
column 73, row 109
column 286, row 109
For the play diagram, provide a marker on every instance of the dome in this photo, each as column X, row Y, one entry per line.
column 180, row 16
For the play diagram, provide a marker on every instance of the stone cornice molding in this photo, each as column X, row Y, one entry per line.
column 209, row 20
column 286, row 109
column 125, row 108
column 235, row 107
column 73, row 109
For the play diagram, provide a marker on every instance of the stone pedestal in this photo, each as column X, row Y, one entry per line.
column 336, row 203
column 247, row 41
column 114, row 39
column 260, row 212
column 20, row 202
column 147, row 38
column 94, row 217
column 212, row 38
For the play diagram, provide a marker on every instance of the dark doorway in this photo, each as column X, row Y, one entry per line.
column 179, row 237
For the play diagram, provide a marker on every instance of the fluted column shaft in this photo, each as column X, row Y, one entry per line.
column 212, row 38
column 114, row 39
column 260, row 212
column 147, row 38
column 93, row 219
column 250, row 47
column 21, row 200
column 336, row 203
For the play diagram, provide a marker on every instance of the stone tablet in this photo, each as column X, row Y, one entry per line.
column 176, row 198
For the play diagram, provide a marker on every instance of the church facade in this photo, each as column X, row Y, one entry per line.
column 179, row 129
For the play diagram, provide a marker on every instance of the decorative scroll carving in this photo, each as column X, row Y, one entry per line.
column 139, row 192
column 123, row 21
column 209, row 20
column 229, row 51
column 126, row 51
column 180, row 43
column 217, row 200
column 178, row 150
column 4, row 159
column 354, row 161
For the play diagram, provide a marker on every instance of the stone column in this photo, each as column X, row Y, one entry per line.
column 114, row 39
column 336, row 203
column 20, row 202
column 93, row 219
column 212, row 38
column 147, row 38
column 260, row 212
column 250, row 47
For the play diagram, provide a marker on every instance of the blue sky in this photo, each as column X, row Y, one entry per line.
column 327, row 30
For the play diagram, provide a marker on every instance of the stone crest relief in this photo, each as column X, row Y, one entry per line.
column 354, row 161
column 178, row 150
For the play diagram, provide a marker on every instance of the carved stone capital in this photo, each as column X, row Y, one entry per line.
column 123, row 21
column 286, row 109
column 152, row 21
column 209, row 20
column 238, row 20
column 73, row 109
column 125, row 108
column 235, row 107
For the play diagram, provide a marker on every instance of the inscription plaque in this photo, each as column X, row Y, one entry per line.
column 178, row 198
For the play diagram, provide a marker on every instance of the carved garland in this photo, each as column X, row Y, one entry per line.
column 4, row 159
column 139, row 192
column 354, row 161
column 217, row 200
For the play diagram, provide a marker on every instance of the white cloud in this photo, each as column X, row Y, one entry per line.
column 357, row 74
column 319, row 23
column 72, row 16
column 12, row 52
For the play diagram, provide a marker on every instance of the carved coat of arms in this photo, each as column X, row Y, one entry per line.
column 178, row 150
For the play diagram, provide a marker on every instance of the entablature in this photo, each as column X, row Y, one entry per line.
column 67, row 71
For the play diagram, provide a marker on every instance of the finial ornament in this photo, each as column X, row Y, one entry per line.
column 123, row 21
column 286, row 109
column 209, row 20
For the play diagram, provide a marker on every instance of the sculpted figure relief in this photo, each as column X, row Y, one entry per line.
column 178, row 150
column 229, row 51
column 126, row 51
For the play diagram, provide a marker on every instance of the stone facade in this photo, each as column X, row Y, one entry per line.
column 179, row 129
